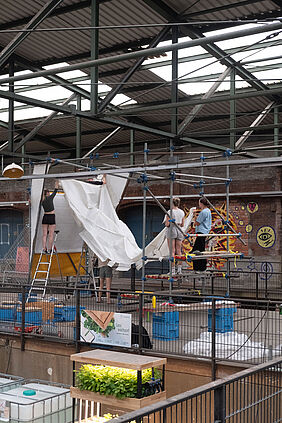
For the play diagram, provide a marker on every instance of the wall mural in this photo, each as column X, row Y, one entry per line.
column 252, row 207
column 266, row 237
column 239, row 219
column 218, row 243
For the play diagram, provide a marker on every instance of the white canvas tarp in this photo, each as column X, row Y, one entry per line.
column 68, row 240
column 104, row 233
column 158, row 247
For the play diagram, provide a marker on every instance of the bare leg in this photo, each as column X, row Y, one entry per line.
column 100, row 290
column 108, row 287
column 44, row 236
column 173, row 247
column 178, row 245
column 51, row 236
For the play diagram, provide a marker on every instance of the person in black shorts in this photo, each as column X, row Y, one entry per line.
column 49, row 220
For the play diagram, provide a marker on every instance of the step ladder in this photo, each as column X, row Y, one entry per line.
column 86, row 262
column 41, row 275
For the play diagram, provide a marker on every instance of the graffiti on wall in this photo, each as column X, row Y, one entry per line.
column 266, row 237
column 241, row 221
column 218, row 243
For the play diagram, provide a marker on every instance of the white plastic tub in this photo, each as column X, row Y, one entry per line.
column 48, row 404
column 65, row 400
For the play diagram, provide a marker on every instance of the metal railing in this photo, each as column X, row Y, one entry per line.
column 250, row 279
column 214, row 328
column 252, row 395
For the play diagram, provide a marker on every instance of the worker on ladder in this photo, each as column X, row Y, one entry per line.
column 49, row 220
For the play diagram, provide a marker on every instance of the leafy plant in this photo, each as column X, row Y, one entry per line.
column 103, row 419
column 91, row 325
column 106, row 380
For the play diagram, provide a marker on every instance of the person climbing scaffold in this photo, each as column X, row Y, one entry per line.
column 203, row 224
column 49, row 220
column 173, row 233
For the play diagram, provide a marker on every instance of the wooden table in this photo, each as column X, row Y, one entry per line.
column 126, row 361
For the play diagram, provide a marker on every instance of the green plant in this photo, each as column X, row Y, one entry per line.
column 91, row 325
column 103, row 419
column 121, row 383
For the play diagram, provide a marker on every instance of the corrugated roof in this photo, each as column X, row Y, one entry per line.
column 57, row 45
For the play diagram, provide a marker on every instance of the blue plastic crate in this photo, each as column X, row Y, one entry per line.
column 65, row 313
column 224, row 319
column 33, row 317
column 8, row 314
column 166, row 325
column 167, row 316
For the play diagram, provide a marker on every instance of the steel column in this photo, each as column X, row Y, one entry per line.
column 232, row 108
column 78, row 128
column 11, row 127
column 94, row 47
column 132, row 158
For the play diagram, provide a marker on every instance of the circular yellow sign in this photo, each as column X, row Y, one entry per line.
column 249, row 228
column 266, row 237
column 252, row 207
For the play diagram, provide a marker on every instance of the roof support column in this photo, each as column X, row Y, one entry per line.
column 232, row 109
column 11, row 127
column 276, row 128
column 78, row 128
column 94, row 48
column 174, row 81
column 132, row 137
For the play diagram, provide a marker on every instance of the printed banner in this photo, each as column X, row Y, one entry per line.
column 104, row 327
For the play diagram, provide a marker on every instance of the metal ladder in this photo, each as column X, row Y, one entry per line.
column 86, row 263
column 40, row 278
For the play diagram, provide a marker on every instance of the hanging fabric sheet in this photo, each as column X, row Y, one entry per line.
column 105, row 234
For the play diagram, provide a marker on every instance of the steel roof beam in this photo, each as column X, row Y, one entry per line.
column 35, row 130
column 254, row 125
column 23, row 132
column 70, row 111
column 36, row 20
column 213, row 49
column 109, row 97
column 196, row 109
column 217, row 52
column 220, row 98
column 102, row 143
column 220, row 8
column 147, row 52
column 58, row 12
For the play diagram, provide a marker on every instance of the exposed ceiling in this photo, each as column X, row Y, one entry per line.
column 43, row 48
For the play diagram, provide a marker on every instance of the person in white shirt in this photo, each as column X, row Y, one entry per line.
column 203, row 223
column 173, row 233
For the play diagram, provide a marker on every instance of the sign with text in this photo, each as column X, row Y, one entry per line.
column 105, row 327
